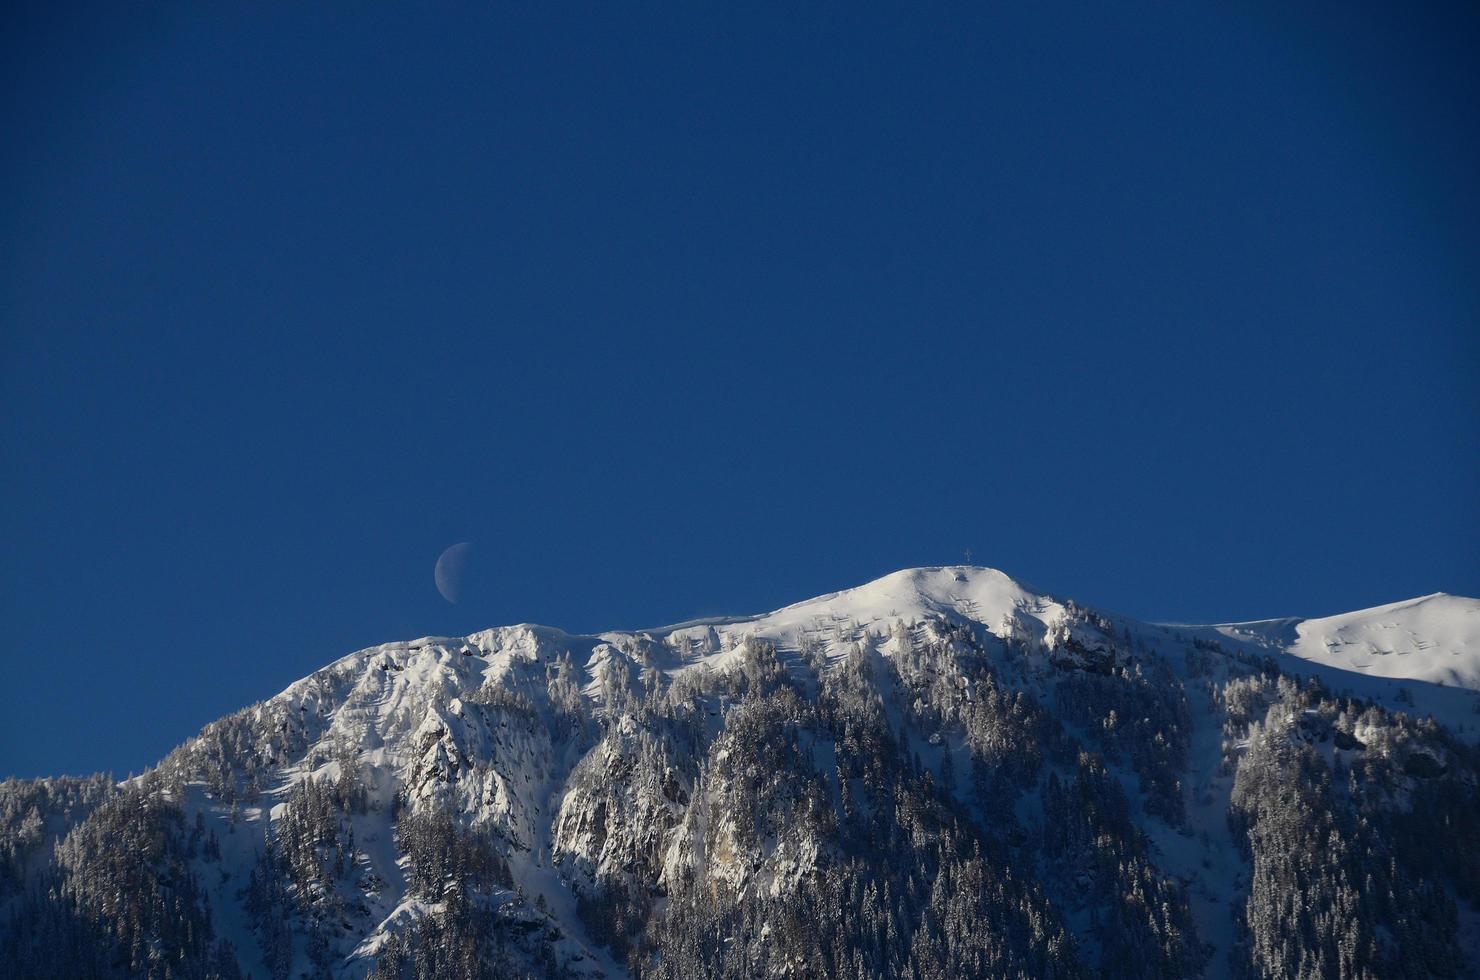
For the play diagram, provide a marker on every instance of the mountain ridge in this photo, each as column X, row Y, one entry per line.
column 528, row 801
column 888, row 590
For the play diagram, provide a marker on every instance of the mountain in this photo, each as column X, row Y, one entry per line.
column 940, row 773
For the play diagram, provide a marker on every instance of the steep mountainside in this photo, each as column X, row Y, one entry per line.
column 941, row 773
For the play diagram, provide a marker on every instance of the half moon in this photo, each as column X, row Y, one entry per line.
column 449, row 570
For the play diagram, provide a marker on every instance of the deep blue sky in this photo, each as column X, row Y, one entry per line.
column 1170, row 308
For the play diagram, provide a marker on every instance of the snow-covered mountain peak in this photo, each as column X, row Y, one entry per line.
column 925, row 590
column 956, row 592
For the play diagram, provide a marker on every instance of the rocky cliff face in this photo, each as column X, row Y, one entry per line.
column 941, row 773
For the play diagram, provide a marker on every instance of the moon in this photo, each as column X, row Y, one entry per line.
column 449, row 570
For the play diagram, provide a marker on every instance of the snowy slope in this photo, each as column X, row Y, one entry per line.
column 1434, row 638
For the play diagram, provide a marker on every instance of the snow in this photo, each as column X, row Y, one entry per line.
column 1434, row 638
column 960, row 593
